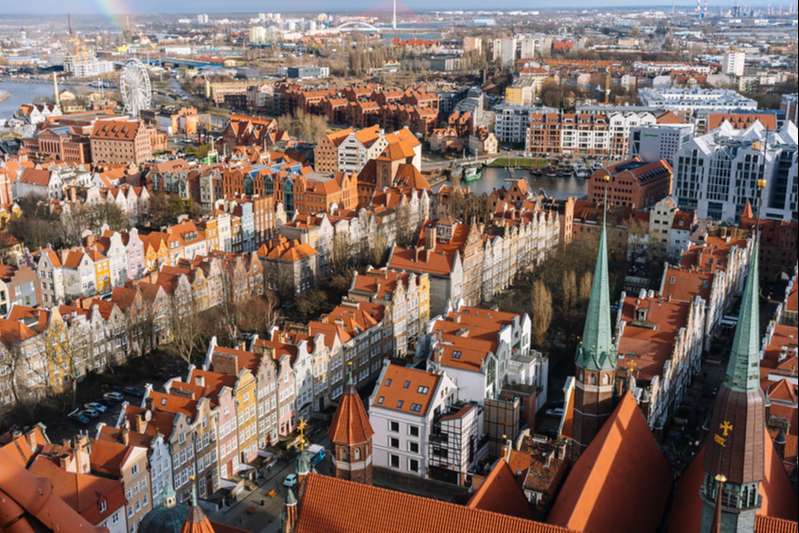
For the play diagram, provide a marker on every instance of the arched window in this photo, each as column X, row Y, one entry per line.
column 357, row 454
column 344, row 453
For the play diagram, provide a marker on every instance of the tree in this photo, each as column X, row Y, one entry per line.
column 93, row 217
column 186, row 330
column 65, row 364
column 541, row 311
column 585, row 286
column 378, row 249
column 304, row 126
column 569, row 289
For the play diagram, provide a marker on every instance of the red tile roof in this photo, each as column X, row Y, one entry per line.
column 622, row 464
column 350, row 423
column 332, row 505
column 405, row 389
column 500, row 493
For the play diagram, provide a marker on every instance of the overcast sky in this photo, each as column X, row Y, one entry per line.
column 215, row 6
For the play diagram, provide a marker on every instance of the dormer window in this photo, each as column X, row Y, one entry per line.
column 456, row 355
column 407, row 384
column 400, row 403
column 416, row 407
column 422, row 389
column 102, row 504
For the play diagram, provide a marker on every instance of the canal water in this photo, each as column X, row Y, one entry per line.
column 560, row 187
column 22, row 93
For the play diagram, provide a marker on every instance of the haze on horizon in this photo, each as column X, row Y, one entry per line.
column 118, row 7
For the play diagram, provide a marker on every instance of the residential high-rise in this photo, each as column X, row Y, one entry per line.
column 716, row 174
column 733, row 63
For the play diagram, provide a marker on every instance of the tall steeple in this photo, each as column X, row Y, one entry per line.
column 595, row 360
column 734, row 450
column 596, row 350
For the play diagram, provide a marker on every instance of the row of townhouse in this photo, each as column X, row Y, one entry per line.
column 42, row 350
column 474, row 263
column 102, row 264
column 715, row 270
column 114, row 258
column 659, row 344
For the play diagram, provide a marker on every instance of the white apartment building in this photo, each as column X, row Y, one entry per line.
column 653, row 142
column 716, row 174
column 512, row 121
column 504, row 50
column 695, row 99
column 733, row 62
column 402, row 410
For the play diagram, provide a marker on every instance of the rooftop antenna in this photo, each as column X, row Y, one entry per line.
column 394, row 17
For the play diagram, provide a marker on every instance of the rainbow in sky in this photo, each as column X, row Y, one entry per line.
column 115, row 11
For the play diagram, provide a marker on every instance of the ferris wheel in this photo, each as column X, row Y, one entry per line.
column 134, row 87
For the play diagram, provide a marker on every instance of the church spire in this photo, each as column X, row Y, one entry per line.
column 743, row 369
column 596, row 355
column 596, row 350
column 735, row 449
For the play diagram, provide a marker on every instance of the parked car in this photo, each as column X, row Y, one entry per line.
column 78, row 416
column 556, row 411
column 269, row 461
column 290, row 481
column 96, row 406
column 317, row 453
column 91, row 413
column 113, row 396
column 136, row 392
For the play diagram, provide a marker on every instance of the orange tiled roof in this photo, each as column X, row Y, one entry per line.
column 500, row 493
column 82, row 492
column 350, row 424
column 116, row 129
column 622, row 463
column 405, row 389
column 363, row 508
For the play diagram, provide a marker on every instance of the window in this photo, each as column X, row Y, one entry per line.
column 413, row 465
column 400, row 403
column 422, row 389
column 380, row 400
column 407, row 384
column 456, row 355
column 416, row 407
column 413, row 446
column 394, row 461
column 387, row 382
column 413, row 431
column 393, row 442
column 393, row 426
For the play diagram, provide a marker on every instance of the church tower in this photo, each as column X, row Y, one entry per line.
column 734, row 451
column 351, row 437
column 595, row 360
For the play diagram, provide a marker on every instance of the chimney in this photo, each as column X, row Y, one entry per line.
column 507, row 449
column 125, row 436
column 138, row 423
column 430, row 238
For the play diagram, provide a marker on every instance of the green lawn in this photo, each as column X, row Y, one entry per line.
column 519, row 162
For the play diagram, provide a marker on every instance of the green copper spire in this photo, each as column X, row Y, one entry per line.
column 596, row 350
column 743, row 368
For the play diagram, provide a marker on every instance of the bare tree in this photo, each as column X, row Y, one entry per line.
column 186, row 329
column 585, row 286
column 378, row 249
column 541, row 310
column 10, row 358
column 64, row 365
column 569, row 288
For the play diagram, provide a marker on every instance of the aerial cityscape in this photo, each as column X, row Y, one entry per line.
column 396, row 267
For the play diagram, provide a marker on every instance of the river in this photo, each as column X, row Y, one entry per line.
column 558, row 187
column 22, row 92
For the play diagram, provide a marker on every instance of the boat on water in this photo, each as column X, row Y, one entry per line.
column 580, row 170
column 472, row 174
